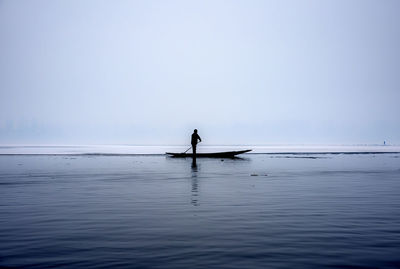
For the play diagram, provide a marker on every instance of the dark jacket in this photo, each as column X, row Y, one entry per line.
column 195, row 137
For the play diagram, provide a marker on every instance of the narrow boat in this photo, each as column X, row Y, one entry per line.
column 227, row 154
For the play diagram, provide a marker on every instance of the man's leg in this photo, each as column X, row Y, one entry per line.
column 194, row 149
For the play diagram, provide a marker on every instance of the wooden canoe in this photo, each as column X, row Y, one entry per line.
column 227, row 154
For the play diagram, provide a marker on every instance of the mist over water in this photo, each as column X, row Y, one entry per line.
column 90, row 72
column 151, row 211
column 202, row 148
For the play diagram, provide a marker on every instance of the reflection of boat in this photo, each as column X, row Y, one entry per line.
column 227, row 154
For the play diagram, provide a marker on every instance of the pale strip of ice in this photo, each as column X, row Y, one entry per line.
column 161, row 149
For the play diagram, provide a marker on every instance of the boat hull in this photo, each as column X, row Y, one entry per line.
column 227, row 154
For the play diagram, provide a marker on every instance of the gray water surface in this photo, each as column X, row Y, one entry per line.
column 262, row 211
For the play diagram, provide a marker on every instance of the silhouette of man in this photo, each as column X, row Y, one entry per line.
column 195, row 138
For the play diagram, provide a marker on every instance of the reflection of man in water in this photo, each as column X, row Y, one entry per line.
column 195, row 138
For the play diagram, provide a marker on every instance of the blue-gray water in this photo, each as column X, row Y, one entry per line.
column 262, row 211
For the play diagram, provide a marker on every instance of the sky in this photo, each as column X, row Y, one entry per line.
column 241, row 72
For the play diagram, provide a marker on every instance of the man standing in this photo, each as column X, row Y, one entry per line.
column 195, row 138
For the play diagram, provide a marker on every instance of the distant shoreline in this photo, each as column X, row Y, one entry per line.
column 163, row 154
column 124, row 150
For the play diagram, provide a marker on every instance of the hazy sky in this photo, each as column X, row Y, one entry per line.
column 78, row 72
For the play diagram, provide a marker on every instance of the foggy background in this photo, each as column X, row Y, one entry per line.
column 148, row 72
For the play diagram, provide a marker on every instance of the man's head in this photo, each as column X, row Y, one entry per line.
column 195, row 130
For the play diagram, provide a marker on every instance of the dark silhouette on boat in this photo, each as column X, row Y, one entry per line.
column 195, row 139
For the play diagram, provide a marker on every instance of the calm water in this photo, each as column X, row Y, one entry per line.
column 262, row 211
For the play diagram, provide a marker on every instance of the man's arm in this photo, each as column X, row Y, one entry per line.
column 199, row 137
